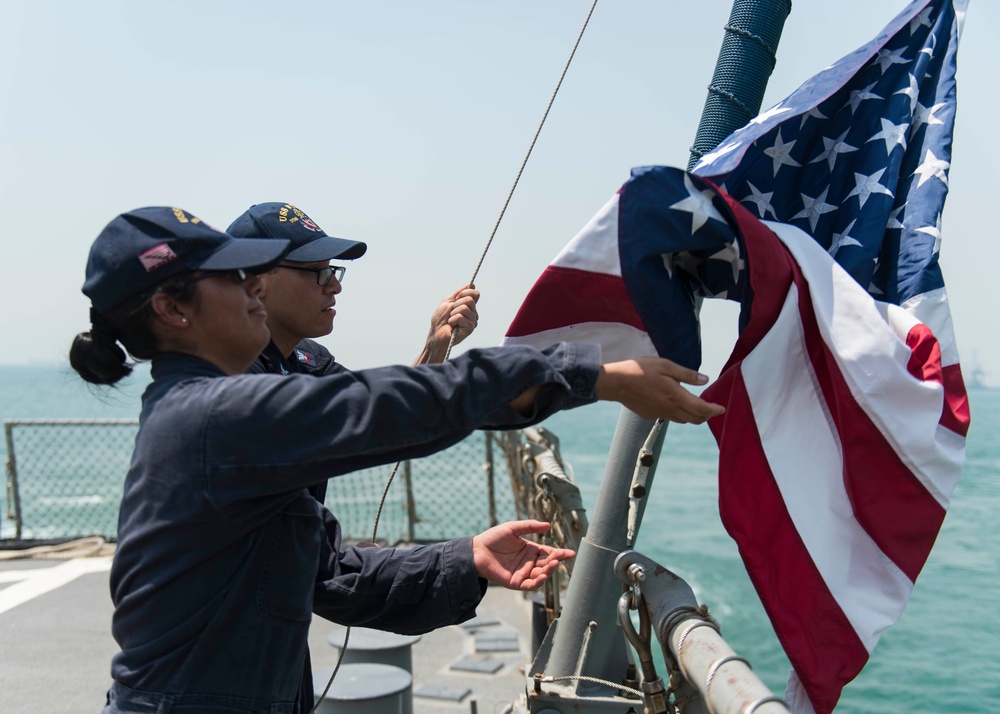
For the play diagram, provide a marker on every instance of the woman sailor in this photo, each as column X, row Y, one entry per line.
column 219, row 541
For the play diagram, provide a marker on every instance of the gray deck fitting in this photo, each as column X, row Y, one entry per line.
column 486, row 665
column 496, row 642
column 436, row 691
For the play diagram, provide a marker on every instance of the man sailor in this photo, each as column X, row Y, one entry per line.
column 301, row 292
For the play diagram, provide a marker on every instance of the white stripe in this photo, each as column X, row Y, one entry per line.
column 595, row 247
column 796, row 697
column 791, row 416
column 43, row 580
column 618, row 341
column 873, row 360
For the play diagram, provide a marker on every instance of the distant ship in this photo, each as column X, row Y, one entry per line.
column 976, row 377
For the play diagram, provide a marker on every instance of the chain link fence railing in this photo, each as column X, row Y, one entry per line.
column 65, row 478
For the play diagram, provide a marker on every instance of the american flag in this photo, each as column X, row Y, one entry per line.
column 846, row 418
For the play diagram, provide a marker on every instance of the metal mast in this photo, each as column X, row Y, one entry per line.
column 586, row 640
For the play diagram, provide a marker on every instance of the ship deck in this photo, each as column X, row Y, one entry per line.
column 55, row 626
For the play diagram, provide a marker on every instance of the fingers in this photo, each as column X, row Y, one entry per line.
column 695, row 410
column 502, row 555
column 469, row 292
column 651, row 387
column 670, row 368
column 544, row 566
column 526, row 527
column 463, row 318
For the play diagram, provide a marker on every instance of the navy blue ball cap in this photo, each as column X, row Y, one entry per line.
column 143, row 248
column 283, row 220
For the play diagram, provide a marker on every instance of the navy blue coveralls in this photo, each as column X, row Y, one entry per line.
column 220, row 543
column 310, row 357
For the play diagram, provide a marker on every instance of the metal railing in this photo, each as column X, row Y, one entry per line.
column 65, row 479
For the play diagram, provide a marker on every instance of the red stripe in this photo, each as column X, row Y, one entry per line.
column 889, row 502
column 568, row 296
column 814, row 632
column 956, row 415
column 925, row 365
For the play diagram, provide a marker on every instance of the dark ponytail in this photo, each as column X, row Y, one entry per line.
column 96, row 356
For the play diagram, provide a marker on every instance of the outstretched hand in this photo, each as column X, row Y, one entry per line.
column 502, row 556
column 651, row 387
column 456, row 313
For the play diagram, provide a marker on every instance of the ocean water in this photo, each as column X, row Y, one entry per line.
column 942, row 655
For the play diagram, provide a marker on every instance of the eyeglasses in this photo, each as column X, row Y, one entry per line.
column 237, row 276
column 323, row 275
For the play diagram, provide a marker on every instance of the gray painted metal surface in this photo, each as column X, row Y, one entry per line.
column 586, row 640
column 746, row 60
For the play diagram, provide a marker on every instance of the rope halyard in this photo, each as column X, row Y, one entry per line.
column 343, row 651
column 489, row 242
column 533, row 140
column 482, row 257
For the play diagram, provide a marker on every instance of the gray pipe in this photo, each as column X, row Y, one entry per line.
column 745, row 63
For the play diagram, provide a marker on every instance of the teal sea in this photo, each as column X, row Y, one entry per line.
column 943, row 654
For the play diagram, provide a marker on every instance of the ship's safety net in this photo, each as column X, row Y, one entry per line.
column 65, row 479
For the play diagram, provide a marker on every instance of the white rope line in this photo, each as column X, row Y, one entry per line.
column 595, row 680
column 472, row 280
column 532, row 146
column 489, row 242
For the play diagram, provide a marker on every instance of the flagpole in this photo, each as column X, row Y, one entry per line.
column 586, row 643
column 746, row 60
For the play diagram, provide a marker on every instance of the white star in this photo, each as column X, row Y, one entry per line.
column 912, row 91
column 887, row 58
column 924, row 18
column 892, row 134
column 932, row 166
column 813, row 113
column 894, row 222
column 813, row 208
column 934, row 231
column 834, row 147
column 698, row 204
column 730, row 253
column 859, row 95
column 843, row 240
column 779, row 153
column 865, row 186
column 925, row 115
column 761, row 200
column 929, row 51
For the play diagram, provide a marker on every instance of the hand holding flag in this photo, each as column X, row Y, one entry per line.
column 651, row 387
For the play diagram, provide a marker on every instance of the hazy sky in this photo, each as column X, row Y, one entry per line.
column 403, row 124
